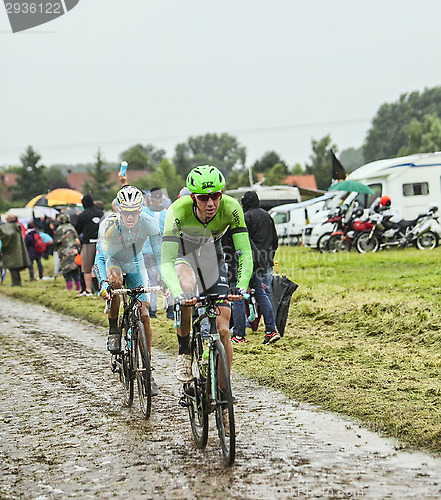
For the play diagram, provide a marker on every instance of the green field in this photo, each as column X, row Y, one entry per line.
column 362, row 337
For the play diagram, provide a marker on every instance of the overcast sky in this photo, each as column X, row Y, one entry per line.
column 113, row 73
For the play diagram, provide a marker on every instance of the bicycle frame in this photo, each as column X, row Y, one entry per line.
column 210, row 389
column 133, row 362
column 211, row 314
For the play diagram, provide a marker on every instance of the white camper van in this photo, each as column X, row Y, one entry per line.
column 413, row 182
column 269, row 196
column 291, row 219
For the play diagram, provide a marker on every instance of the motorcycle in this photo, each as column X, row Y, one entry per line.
column 385, row 234
column 336, row 220
column 349, row 227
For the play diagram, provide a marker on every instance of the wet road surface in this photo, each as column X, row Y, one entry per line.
column 65, row 433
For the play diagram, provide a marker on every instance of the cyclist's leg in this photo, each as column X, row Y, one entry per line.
column 223, row 327
column 145, row 318
column 133, row 280
column 115, row 279
column 187, row 280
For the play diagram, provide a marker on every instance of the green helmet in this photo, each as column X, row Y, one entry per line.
column 205, row 179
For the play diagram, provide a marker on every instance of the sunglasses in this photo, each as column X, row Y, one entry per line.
column 126, row 213
column 206, row 197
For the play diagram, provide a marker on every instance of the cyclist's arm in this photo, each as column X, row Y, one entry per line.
column 100, row 264
column 242, row 244
column 170, row 247
column 245, row 258
column 168, row 272
column 105, row 231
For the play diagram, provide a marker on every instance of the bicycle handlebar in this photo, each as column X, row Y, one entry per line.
column 133, row 292
column 203, row 300
column 136, row 291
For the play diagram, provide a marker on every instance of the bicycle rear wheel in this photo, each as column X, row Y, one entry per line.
column 195, row 396
column 126, row 375
column 143, row 370
column 224, row 403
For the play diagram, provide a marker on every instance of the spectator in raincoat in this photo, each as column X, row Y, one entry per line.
column 67, row 244
column 14, row 254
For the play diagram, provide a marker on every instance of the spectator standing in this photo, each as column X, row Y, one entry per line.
column 67, row 243
column 263, row 232
column 155, row 209
column 14, row 254
column 88, row 225
column 33, row 252
column 238, row 307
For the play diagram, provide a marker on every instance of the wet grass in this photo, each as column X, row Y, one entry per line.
column 362, row 337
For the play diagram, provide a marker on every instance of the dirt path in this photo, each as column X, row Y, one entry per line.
column 64, row 432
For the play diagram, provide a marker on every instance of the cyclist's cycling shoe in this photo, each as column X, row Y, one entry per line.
column 271, row 337
column 114, row 342
column 153, row 387
column 183, row 368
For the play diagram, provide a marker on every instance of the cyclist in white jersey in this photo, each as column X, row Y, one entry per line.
column 121, row 238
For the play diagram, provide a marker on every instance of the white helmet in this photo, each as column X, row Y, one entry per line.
column 129, row 198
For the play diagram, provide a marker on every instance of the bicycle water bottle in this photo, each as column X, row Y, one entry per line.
column 129, row 337
column 123, row 169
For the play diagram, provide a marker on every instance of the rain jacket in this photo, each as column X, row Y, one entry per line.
column 89, row 220
column 14, row 253
column 261, row 227
column 67, row 243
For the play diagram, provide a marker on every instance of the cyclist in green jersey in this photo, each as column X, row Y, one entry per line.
column 192, row 254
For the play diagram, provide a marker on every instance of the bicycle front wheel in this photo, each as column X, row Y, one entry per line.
column 143, row 370
column 127, row 369
column 195, row 394
column 224, row 403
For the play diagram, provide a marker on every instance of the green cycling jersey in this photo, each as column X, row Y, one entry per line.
column 184, row 233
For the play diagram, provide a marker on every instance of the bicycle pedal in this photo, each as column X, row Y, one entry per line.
column 114, row 366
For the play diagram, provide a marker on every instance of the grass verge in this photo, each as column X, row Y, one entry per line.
column 362, row 337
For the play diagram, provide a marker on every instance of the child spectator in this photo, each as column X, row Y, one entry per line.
column 33, row 252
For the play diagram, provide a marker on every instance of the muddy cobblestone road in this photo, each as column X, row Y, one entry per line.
column 64, row 432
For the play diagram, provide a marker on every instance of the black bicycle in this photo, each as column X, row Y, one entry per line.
column 210, row 390
column 133, row 361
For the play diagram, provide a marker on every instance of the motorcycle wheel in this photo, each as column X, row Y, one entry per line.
column 322, row 242
column 337, row 244
column 427, row 241
column 365, row 244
